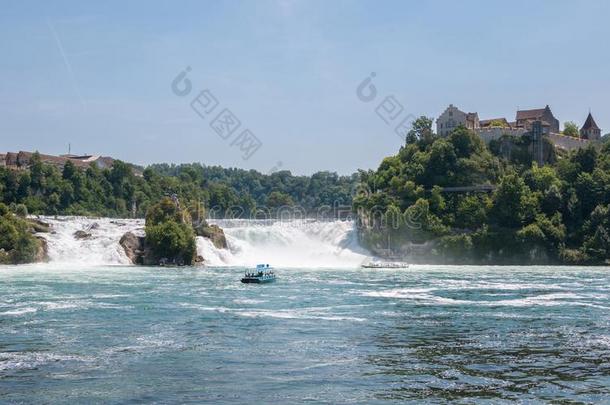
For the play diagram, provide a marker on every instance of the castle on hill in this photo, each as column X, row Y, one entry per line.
column 495, row 128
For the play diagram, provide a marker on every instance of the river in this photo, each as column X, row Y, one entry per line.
column 88, row 333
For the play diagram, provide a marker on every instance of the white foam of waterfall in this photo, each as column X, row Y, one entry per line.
column 299, row 243
column 102, row 247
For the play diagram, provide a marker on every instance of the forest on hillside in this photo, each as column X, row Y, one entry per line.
column 555, row 213
column 119, row 192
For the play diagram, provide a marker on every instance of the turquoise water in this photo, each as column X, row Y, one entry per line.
column 426, row 334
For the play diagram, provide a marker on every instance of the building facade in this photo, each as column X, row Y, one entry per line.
column 453, row 117
column 525, row 119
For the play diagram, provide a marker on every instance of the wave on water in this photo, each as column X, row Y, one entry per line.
column 540, row 297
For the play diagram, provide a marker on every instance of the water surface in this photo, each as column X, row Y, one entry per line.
column 427, row 334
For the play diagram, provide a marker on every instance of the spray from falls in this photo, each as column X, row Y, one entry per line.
column 299, row 243
column 98, row 243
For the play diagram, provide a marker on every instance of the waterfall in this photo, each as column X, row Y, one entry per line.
column 100, row 248
column 297, row 243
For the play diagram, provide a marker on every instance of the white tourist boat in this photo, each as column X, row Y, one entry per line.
column 385, row 265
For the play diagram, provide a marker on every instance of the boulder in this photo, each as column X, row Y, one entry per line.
column 81, row 235
column 42, row 255
column 39, row 226
column 212, row 232
column 134, row 247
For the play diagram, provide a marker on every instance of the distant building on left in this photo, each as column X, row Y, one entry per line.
column 21, row 160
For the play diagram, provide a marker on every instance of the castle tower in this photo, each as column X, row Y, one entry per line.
column 590, row 130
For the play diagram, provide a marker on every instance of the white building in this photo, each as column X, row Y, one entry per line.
column 453, row 118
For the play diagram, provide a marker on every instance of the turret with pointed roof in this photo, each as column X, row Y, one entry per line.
column 590, row 130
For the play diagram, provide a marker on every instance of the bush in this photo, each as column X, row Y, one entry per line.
column 573, row 256
column 169, row 233
column 3, row 209
column 165, row 210
column 21, row 210
column 26, row 249
column 172, row 241
column 455, row 246
column 17, row 244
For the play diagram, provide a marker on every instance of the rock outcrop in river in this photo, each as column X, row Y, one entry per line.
column 213, row 233
column 170, row 236
column 138, row 252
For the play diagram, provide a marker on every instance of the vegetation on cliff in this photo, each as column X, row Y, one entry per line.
column 454, row 199
column 17, row 242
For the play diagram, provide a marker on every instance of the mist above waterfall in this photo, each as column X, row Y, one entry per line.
column 296, row 243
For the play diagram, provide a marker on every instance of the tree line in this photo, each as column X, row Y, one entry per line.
column 118, row 192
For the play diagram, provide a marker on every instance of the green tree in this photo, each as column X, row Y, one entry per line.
column 571, row 129
column 164, row 211
column 69, row 171
column 513, row 202
column 471, row 212
column 421, row 129
column 173, row 241
column 168, row 234
column 277, row 199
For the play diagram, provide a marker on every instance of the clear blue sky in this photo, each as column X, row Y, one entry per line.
column 98, row 74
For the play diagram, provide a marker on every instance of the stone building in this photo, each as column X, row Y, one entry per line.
column 452, row 118
column 590, row 130
column 525, row 119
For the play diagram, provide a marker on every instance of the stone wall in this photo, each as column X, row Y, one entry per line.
column 568, row 142
column 490, row 134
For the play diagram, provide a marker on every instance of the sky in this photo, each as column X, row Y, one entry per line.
column 102, row 77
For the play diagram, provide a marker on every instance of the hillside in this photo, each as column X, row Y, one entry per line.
column 558, row 213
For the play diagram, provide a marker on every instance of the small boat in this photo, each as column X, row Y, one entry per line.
column 262, row 274
column 385, row 265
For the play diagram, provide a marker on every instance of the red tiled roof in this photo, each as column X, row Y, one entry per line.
column 530, row 114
